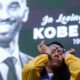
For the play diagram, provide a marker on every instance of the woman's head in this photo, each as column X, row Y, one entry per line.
column 56, row 52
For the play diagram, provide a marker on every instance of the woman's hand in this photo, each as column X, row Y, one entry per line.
column 42, row 48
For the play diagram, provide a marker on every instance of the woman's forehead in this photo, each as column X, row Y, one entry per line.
column 54, row 45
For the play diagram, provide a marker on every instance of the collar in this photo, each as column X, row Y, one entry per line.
column 45, row 75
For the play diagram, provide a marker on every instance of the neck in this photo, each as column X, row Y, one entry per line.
column 49, row 70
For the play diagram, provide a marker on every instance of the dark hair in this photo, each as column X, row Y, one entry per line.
column 62, row 73
column 57, row 43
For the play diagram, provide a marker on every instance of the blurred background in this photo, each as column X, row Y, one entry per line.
column 51, row 20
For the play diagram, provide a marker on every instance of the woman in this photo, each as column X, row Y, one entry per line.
column 49, row 65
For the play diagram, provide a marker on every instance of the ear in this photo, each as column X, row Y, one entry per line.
column 25, row 15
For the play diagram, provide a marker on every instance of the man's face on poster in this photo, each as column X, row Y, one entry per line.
column 12, row 14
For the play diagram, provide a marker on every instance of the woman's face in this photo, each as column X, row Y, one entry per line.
column 56, row 53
